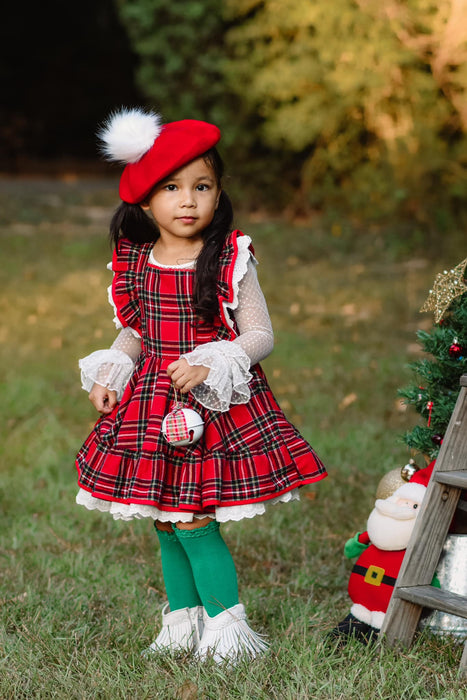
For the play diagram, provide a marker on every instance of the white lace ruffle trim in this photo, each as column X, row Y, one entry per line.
column 227, row 381
column 116, row 320
column 244, row 255
column 135, row 511
column 119, row 367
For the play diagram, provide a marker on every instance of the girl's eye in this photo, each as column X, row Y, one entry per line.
column 202, row 187
column 170, row 188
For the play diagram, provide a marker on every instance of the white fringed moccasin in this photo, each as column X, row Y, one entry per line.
column 181, row 631
column 227, row 637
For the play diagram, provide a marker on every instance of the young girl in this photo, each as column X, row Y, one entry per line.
column 194, row 327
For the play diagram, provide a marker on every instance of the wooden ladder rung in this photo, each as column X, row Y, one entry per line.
column 452, row 478
column 434, row 598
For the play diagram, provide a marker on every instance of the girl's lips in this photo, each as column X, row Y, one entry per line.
column 186, row 219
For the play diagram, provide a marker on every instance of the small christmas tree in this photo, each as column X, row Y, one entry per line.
column 435, row 393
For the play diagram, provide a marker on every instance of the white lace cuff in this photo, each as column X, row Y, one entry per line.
column 110, row 368
column 227, row 381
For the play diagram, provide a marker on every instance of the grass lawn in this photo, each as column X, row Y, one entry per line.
column 80, row 594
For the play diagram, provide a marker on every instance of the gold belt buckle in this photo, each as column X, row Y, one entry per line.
column 374, row 575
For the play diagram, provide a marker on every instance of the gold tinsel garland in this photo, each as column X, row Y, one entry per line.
column 447, row 286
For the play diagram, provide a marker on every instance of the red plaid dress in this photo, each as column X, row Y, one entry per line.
column 248, row 454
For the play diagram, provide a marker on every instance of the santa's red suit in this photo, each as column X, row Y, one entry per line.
column 372, row 580
column 380, row 552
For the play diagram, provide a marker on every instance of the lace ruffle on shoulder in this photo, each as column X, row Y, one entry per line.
column 126, row 259
column 244, row 256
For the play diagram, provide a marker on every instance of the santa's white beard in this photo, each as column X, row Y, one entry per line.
column 388, row 531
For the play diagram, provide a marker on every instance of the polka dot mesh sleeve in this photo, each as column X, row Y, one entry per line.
column 229, row 361
column 252, row 317
column 129, row 342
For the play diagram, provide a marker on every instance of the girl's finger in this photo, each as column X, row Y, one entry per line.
column 176, row 376
column 172, row 367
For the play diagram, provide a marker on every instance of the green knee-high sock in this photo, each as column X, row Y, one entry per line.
column 213, row 567
column 178, row 577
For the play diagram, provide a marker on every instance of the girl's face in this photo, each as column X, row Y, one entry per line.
column 183, row 204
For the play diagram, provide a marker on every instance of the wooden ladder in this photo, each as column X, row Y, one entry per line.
column 413, row 591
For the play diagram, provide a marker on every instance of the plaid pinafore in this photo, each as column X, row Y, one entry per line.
column 248, row 454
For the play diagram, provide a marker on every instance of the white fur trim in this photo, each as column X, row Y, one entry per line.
column 377, row 619
column 127, row 135
column 374, row 618
column 413, row 491
column 227, row 637
column 361, row 613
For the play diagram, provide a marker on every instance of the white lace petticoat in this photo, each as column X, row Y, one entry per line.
column 135, row 511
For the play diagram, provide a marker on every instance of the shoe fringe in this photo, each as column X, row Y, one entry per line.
column 231, row 643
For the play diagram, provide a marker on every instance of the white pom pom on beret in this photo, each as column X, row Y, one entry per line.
column 127, row 135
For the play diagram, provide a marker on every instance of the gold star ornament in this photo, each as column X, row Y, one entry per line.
column 447, row 286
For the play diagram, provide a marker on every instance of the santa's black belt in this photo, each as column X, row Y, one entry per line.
column 374, row 575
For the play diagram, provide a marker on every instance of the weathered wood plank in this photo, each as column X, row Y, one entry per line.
column 426, row 543
column 454, row 478
column 463, row 663
column 435, row 598
column 453, row 452
column 400, row 622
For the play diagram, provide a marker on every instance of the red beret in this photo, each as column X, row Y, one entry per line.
column 177, row 144
column 151, row 150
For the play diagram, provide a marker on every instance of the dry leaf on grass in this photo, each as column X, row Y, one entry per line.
column 347, row 401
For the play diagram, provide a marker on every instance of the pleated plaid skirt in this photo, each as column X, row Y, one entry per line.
column 249, row 454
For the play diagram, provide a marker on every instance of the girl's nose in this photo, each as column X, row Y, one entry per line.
column 187, row 199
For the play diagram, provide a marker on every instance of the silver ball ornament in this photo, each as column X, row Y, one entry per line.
column 408, row 470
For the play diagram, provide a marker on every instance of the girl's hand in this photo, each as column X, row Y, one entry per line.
column 103, row 399
column 185, row 376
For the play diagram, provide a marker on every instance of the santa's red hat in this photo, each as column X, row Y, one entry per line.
column 151, row 150
column 415, row 488
column 423, row 476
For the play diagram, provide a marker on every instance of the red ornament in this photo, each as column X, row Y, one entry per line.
column 437, row 439
column 456, row 351
column 430, row 410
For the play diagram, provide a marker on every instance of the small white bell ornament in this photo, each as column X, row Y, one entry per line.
column 183, row 426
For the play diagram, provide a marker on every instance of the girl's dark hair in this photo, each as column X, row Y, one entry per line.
column 130, row 221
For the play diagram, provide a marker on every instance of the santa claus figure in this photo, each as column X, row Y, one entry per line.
column 380, row 550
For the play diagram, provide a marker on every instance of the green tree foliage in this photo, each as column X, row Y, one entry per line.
column 180, row 49
column 435, row 391
column 182, row 55
column 370, row 95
